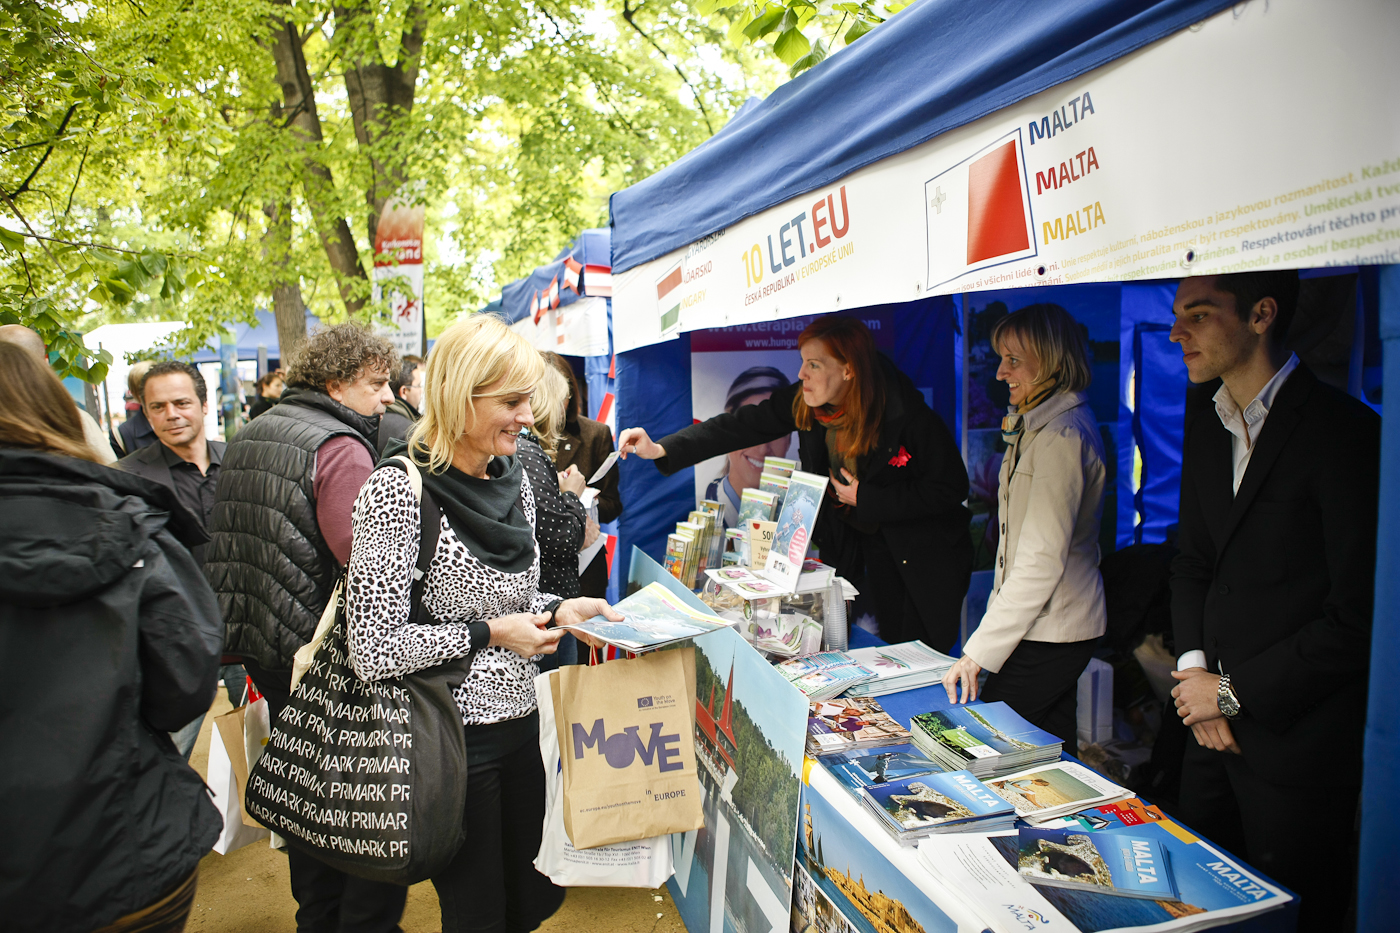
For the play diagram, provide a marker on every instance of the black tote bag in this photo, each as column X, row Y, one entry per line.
column 369, row 778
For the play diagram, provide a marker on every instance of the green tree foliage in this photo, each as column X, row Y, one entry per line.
column 193, row 160
column 801, row 33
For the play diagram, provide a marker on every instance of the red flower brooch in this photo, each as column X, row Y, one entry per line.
column 901, row 458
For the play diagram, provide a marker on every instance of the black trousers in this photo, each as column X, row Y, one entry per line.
column 1040, row 681
column 1238, row 809
column 328, row 900
column 935, row 618
column 492, row 885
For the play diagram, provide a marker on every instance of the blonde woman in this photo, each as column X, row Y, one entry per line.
column 482, row 592
column 1046, row 610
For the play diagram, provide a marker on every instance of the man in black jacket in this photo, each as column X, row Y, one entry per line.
column 280, row 535
column 1272, row 591
column 406, row 408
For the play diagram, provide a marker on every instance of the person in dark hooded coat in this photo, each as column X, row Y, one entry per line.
column 109, row 640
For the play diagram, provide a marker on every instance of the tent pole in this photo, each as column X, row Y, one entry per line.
column 1378, row 899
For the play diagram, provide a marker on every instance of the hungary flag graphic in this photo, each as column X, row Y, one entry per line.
column 668, row 300
column 979, row 212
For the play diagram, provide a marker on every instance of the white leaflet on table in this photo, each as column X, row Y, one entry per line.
column 984, row 883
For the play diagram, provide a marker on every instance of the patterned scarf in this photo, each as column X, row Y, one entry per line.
column 1013, row 423
column 835, row 422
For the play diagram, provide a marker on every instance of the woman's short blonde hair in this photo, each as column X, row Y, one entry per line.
column 1056, row 339
column 549, row 405
column 479, row 357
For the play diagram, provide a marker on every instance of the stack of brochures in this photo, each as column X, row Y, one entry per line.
column 1120, row 866
column 902, row 667
column 988, row 739
column 1053, row 790
column 872, row 767
column 849, row 725
column 912, row 808
column 1104, row 863
column 825, row 675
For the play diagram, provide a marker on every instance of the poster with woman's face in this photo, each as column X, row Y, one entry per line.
column 724, row 380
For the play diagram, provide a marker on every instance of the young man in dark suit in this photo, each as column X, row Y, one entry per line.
column 1272, row 591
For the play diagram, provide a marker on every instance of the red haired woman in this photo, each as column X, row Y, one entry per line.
column 894, row 518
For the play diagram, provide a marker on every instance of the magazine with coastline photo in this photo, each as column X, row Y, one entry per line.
column 652, row 617
column 920, row 804
column 1105, row 863
column 986, row 738
column 1048, row 791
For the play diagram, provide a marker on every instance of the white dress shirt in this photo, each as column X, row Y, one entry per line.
column 1244, row 427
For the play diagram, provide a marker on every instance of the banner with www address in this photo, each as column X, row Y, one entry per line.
column 1265, row 137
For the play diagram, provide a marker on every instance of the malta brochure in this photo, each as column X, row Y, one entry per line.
column 911, row 808
column 869, row 767
column 1106, row 863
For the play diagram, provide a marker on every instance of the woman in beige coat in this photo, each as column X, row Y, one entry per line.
column 1046, row 609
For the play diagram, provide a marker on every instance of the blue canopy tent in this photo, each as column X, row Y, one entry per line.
column 519, row 306
column 936, row 67
column 249, row 338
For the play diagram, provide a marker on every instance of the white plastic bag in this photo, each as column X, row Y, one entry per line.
column 645, row 863
column 228, row 799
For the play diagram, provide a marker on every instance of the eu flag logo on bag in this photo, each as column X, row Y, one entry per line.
column 643, row 702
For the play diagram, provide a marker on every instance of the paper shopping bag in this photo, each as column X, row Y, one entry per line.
column 627, row 740
column 643, row 863
column 228, row 774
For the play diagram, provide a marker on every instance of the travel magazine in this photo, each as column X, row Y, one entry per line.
column 1052, row 790
column 902, row 667
column 955, row 801
column 870, row 767
column 1105, row 863
column 795, row 524
column 849, row 724
column 653, row 617
column 988, row 739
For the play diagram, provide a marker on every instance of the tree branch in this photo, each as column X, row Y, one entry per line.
column 81, row 162
column 629, row 13
column 24, row 185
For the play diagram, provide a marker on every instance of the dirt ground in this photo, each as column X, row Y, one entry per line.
column 247, row 891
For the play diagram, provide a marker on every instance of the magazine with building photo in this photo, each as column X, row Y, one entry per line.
column 911, row 808
column 869, row 767
column 988, row 739
column 1106, row 863
column 850, row 723
column 652, row 617
column 795, row 523
column 1049, row 791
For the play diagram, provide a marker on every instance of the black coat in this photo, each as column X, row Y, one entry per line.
column 586, row 444
column 559, row 521
column 149, row 462
column 109, row 641
column 918, row 506
column 1276, row 582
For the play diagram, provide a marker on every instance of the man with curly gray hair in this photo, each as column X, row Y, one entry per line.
column 279, row 536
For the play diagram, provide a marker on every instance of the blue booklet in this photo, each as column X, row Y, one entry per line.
column 976, row 734
column 924, row 804
column 867, row 767
column 1107, row 863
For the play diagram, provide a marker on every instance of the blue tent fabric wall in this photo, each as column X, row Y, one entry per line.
column 936, row 66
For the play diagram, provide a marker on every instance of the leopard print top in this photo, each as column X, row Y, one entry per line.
column 460, row 589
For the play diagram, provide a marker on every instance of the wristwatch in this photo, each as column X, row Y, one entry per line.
column 1225, row 698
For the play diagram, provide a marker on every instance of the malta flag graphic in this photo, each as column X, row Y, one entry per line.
column 572, row 268
column 979, row 212
column 597, row 281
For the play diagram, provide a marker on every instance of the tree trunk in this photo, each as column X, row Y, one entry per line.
column 299, row 107
column 287, row 306
column 380, row 95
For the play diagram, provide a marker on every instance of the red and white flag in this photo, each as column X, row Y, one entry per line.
column 538, row 307
column 597, row 281
column 607, row 413
column 554, row 292
column 979, row 212
column 572, row 268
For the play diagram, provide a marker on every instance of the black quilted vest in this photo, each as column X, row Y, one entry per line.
column 266, row 559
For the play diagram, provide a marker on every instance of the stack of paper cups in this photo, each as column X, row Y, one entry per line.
column 834, row 617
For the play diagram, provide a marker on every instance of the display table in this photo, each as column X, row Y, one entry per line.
column 847, row 860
